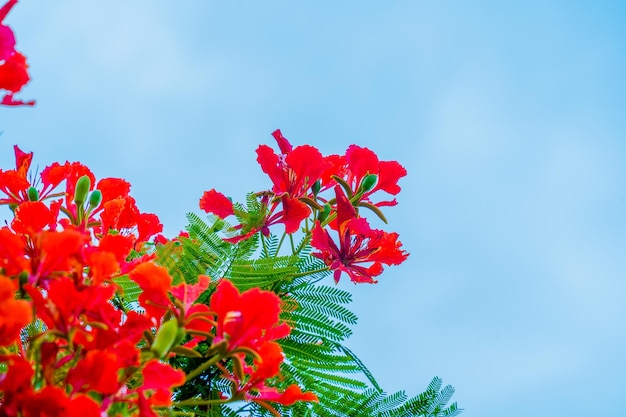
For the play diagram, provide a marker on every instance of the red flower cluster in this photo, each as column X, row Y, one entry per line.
column 13, row 67
column 243, row 324
column 358, row 244
column 69, row 347
column 300, row 177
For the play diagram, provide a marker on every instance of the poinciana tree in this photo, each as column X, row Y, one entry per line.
column 102, row 315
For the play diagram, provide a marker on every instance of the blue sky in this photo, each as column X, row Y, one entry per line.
column 507, row 115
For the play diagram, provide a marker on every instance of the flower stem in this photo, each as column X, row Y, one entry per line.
column 265, row 253
column 282, row 239
column 293, row 247
column 315, row 271
column 192, row 402
column 206, row 365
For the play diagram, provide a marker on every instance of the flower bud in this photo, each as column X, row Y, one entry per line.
column 95, row 198
column 316, row 187
column 23, row 278
column 369, row 182
column 180, row 335
column 33, row 194
column 165, row 338
column 324, row 214
column 82, row 189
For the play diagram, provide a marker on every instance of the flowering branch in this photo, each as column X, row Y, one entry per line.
column 301, row 176
column 92, row 323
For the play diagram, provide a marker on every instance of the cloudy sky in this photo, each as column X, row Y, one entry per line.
column 507, row 115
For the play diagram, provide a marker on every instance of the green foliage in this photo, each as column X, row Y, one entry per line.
column 126, row 297
column 204, row 252
column 316, row 358
column 376, row 403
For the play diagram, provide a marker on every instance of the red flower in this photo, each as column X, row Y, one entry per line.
column 14, row 314
column 293, row 172
column 8, row 100
column 14, row 182
column 65, row 307
column 292, row 394
column 14, row 73
column 52, row 176
column 4, row 10
column 246, row 319
column 148, row 225
column 74, row 171
column 155, row 283
column 121, row 214
column 110, row 216
column 294, row 211
column 32, row 217
column 358, row 245
column 22, row 161
column 112, row 188
column 12, row 253
column 97, row 371
column 198, row 317
column 131, row 331
column 102, row 266
column 189, row 293
column 15, row 384
column 161, row 377
column 118, row 245
column 156, row 390
column 82, row 406
column 59, row 252
column 217, row 203
column 106, row 260
column 362, row 162
column 268, row 366
column 7, row 42
column 53, row 402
